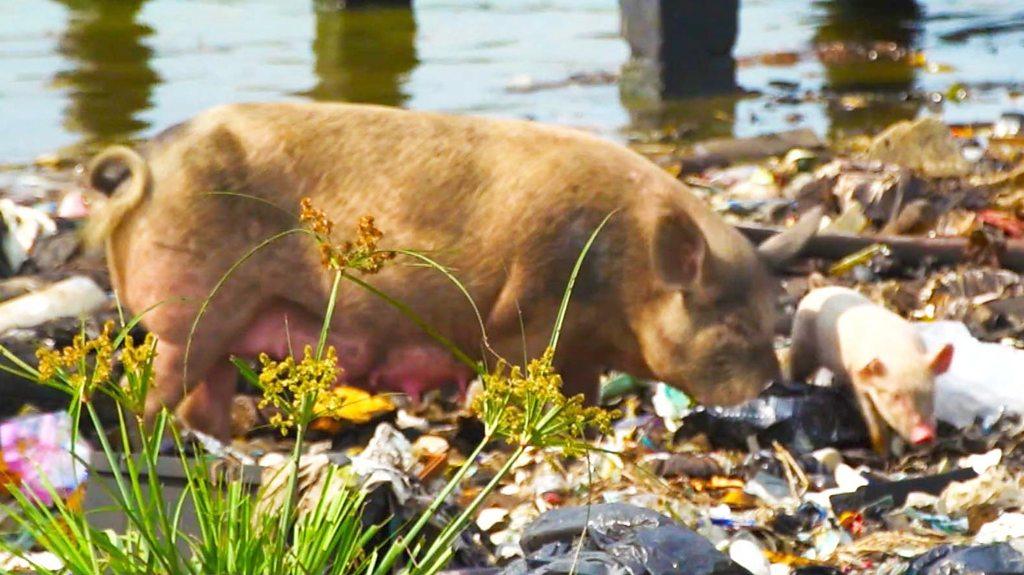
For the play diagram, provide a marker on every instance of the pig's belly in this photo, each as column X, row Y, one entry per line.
column 409, row 368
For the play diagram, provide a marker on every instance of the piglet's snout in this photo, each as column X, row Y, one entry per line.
column 922, row 433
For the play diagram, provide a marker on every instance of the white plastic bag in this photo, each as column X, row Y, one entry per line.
column 984, row 378
column 75, row 296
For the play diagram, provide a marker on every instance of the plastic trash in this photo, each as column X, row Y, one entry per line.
column 894, row 493
column 671, row 405
column 983, row 380
column 387, row 459
column 23, row 225
column 617, row 385
column 72, row 297
column 804, row 519
column 620, row 539
column 1004, row 528
column 996, row 488
column 942, row 523
column 750, row 555
column 1008, row 125
column 770, row 489
column 998, row 559
column 73, row 206
column 802, row 417
column 37, row 450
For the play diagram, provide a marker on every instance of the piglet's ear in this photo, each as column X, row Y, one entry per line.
column 942, row 360
column 679, row 250
column 874, row 368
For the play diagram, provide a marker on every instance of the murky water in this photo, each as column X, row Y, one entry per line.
column 77, row 73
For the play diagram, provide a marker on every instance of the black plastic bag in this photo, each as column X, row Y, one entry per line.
column 619, row 539
column 800, row 416
column 996, row 559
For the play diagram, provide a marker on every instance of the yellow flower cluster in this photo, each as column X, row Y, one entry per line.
column 361, row 255
column 531, row 410
column 74, row 362
column 137, row 358
column 86, row 366
column 288, row 384
column 137, row 361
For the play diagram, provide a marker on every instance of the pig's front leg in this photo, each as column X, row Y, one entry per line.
column 803, row 352
column 879, row 432
column 580, row 375
column 203, row 401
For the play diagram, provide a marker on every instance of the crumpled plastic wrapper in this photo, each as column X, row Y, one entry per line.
column 387, row 459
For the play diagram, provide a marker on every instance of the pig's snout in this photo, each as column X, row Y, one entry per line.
column 922, row 433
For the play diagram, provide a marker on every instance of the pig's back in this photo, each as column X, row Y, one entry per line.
column 474, row 189
column 448, row 175
column 852, row 330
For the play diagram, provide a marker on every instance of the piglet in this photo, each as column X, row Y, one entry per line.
column 878, row 354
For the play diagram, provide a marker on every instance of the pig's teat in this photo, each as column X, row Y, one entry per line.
column 415, row 369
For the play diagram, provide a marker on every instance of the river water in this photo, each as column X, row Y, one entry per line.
column 75, row 74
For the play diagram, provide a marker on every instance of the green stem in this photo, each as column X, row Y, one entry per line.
column 557, row 330
column 220, row 283
column 293, row 482
column 124, row 493
column 331, row 302
column 401, row 544
column 415, row 318
column 455, row 527
column 461, row 287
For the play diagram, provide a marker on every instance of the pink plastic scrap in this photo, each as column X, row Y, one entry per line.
column 38, row 450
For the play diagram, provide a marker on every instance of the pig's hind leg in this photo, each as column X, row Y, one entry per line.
column 196, row 380
column 208, row 407
column 279, row 329
column 196, row 394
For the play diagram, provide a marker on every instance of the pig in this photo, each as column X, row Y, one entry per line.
column 875, row 352
column 668, row 290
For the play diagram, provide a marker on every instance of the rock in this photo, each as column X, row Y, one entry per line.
column 52, row 252
column 684, row 465
column 758, row 147
column 925, row 146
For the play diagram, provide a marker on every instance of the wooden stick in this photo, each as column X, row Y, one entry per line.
column 906, row 248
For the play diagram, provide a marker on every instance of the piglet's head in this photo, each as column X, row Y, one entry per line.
column 904, row 394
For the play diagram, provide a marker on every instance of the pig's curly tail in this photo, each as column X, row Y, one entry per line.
column 107, row 172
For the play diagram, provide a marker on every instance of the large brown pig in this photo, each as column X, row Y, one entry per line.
column 669, row 290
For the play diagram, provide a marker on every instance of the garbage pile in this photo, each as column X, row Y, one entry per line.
column 925, row 219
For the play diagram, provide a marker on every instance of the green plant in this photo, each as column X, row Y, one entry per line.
column 523, row 408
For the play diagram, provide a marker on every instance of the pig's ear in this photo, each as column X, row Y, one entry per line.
column 942, row 360
column 778, row 251
column 679, row 250
column 874, row 368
